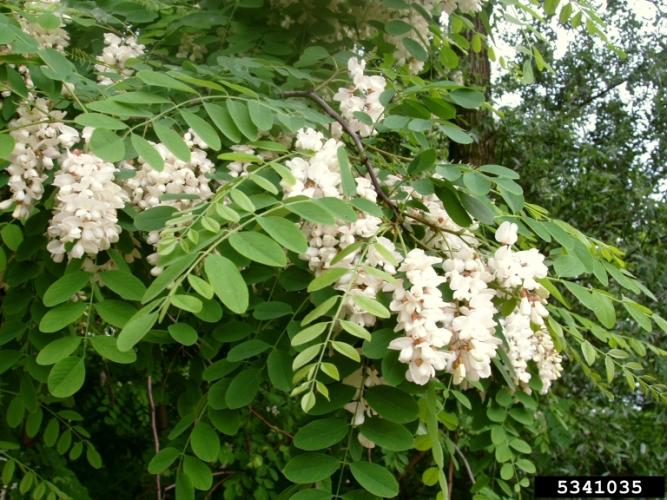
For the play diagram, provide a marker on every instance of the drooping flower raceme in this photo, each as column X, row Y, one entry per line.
column 421, row 315
column 363, row 96
column 117, row 52
column 85, row 220
column 41, row 139
column 528, row 339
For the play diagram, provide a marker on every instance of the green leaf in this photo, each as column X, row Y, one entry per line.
column 311, row 212
column 388, row 435
column 198, row 473
column 136, row 329
column 57, row 350
column 202, row 287
column 310, row 468
column 423, row 162
column 279, row 366
column 140, row 98
column 327, row 278
column 477, row 183
column 107, row 348
column 57, row 62
column 526, row 465
column 60, row 316
column 241, row 116
column 172, row 140
column 183, row 334
column 115, row 312
column 271, row 310
column 243, row 388
column 154, row 218
column 503, row 453
column 568, row 266
column 107, row 145
column 320, row 434
column 161, row 80
column 305, row 356
column 638, row 313
column 63, row 288
column 258, row 247
column 507, row 471
column 308, row 334
column 371, row 306
column 604, row 310
column 375, row 479
column 124, row 284
column 452, row 203
column 260, row 115
column 184, row 489
column 311, row 55
column 188, row 303
column 201, row 127
column 521, row 446
column 242, row 200
column 320, row 310
column 66, row 377
column 246, row 350
column 162, row 460
column 98, row 120
column 392, row 403
column 12, row 236
column 415, row 49
column 455, row 133
column 347, row 179
column 284, row 232
column 227, row 283
column 224, row 122
column 500, row 171
column 397, row 27
column 467, row 98
column 355, row 329
column 346, row 350
column 205, row 442
column 7, row 144
column 148, row 152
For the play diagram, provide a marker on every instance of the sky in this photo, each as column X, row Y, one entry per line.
column 565, row 37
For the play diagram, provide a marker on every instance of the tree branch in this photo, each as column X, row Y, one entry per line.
column 269, row 424
column 156, row 437
column 355, row 138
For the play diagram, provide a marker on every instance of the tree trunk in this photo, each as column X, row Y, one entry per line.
column 476, row 69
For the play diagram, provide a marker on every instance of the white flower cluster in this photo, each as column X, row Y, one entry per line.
column 86, row 204
column 55, row 38
column 41, row 140
column 463, row 6
column 117, row 52
column 421, row 314
column 363, row 96
column 318, row 175
column 52, row 38
column 177, row 177
column 527, row 337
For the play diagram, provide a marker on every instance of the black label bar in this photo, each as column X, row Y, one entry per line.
column 599, row 487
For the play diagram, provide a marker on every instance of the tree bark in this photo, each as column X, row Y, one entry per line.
column 476, row 69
